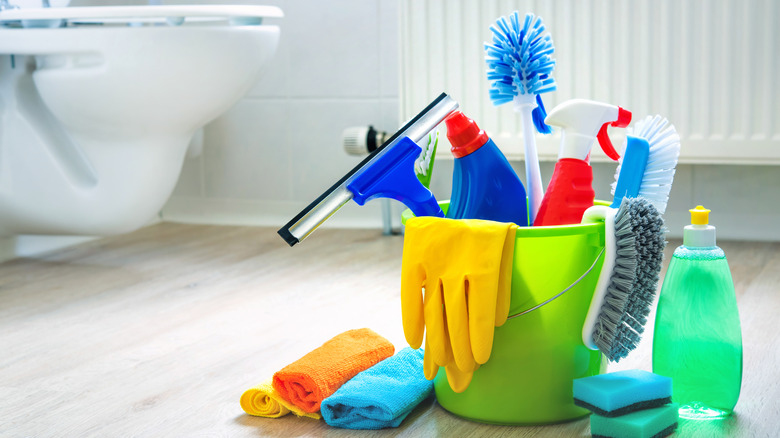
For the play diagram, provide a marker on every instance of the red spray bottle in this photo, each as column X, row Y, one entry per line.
column 570, row 191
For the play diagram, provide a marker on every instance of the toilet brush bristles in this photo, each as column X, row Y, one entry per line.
column 520, row 62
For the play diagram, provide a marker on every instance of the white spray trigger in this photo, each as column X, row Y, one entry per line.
column 583, row 121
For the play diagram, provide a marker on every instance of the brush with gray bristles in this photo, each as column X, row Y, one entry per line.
column 633, row 251
column 648, row 226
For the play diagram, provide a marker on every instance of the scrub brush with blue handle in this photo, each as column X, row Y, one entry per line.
column 634, row 238
column 520, row 66
column 648, row 164
column 634, row 243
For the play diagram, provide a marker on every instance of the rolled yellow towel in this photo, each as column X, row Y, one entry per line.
column 264, row 401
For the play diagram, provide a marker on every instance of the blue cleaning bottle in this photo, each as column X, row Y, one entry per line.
column 484, row 185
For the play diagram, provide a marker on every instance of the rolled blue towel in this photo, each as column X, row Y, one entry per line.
column 381, row 396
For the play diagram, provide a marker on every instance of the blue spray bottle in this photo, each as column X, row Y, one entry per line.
column 484, row 185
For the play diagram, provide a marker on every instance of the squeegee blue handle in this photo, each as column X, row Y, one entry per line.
column 632, row 170
column 392, row 176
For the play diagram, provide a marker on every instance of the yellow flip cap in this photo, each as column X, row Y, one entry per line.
column 700, row 216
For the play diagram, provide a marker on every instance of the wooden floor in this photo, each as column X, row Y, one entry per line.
column 157, row 333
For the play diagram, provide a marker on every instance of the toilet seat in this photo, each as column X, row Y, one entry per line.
column 133, row 15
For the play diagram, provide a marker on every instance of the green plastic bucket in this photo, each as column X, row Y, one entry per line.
column 536, row 355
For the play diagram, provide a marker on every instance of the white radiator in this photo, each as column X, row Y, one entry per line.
column 711, row 67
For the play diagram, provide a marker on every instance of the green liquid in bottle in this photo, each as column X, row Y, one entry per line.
column 698, row 340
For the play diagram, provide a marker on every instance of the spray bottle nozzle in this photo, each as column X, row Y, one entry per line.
column 582, row 122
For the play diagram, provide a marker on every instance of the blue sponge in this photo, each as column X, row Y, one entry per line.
column 650, row 423
column 618, row 393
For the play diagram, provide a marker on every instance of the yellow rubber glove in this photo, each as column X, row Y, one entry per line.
column 464, row 268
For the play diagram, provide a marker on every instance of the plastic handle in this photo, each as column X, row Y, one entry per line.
column 533, row 175
column 392, row 176
column 632, row 169
column 624, row 118
column 597, row 214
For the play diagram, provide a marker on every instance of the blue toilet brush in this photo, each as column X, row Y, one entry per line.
column 520, row 66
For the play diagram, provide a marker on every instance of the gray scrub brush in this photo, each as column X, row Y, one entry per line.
column 634, row 245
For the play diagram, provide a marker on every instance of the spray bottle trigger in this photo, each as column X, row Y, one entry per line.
column 624, row 118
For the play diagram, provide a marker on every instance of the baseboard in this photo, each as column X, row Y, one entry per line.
column 38, row 245
column 731, row 226
column 264, row 213
column 35, row 246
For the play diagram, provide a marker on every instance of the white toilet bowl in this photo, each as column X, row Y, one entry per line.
column 96, row 116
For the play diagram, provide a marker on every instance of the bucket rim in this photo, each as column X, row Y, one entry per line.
column 531, row 231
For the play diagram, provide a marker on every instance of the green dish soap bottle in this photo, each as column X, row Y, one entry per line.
column 698, row 339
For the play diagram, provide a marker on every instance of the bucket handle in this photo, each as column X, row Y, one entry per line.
column 561, row 292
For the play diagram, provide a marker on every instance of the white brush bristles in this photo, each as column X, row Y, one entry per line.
column 428, row 145
column 661, row 162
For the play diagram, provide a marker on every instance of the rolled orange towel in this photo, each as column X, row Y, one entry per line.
column 318, row 374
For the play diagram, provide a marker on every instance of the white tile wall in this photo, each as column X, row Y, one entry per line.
column 280, row 147
column 338, row 66
column 745, row 200
column 248, row 149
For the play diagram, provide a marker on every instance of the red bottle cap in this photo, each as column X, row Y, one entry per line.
column 464, row 135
